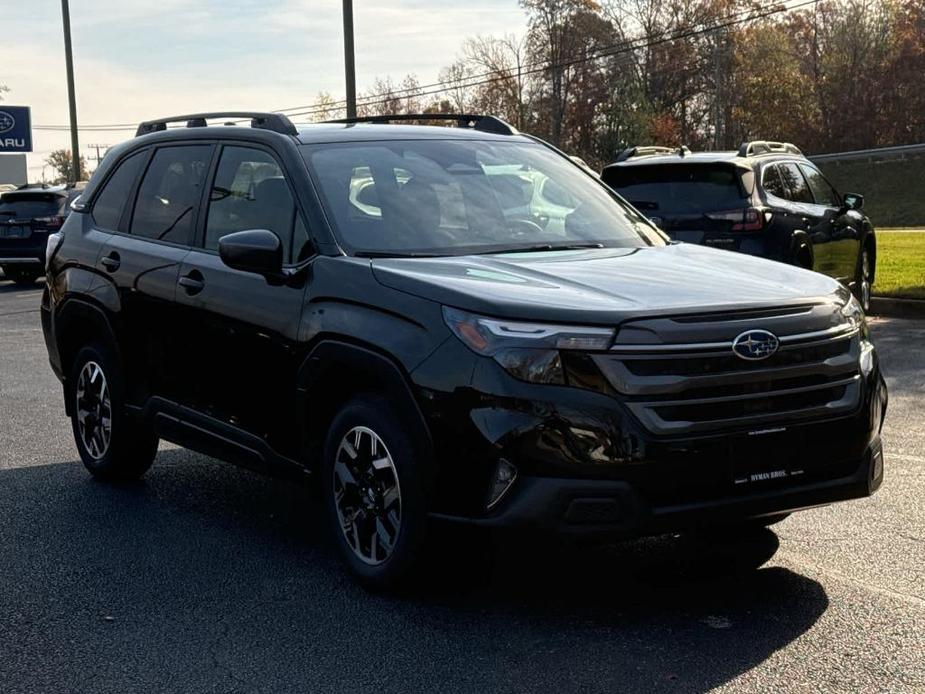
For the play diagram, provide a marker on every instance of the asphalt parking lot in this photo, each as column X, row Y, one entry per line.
column 208, row 578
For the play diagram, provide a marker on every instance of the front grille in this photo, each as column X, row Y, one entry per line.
column 691, row 387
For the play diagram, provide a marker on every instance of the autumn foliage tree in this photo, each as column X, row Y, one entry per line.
column 595, row 76
column 62, row 164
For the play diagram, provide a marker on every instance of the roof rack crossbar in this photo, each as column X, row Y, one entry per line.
column 276, row 122
column 488, row 124
column 758, row 147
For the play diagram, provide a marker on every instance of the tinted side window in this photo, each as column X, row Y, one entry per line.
column 170, row 193
column 822, row 190
column 250, row 192
column 107, row 210
column 796, row 184
column 773, row 183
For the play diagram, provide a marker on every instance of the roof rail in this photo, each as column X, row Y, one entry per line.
column 651, row 150
column 276, row 122
column 488, row 124
column 757, row 147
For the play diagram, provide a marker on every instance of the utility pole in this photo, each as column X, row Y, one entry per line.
column 71, row 97
column 349, row 64
column 98, row 148
column 719, row 89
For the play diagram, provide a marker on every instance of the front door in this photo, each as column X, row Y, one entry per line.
column 243, row 331
column 841, row 232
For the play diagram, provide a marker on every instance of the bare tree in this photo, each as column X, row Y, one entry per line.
column 326, row 108
column 502, row 65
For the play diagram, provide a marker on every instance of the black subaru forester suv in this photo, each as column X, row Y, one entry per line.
column 765, row 199
column 387, row 308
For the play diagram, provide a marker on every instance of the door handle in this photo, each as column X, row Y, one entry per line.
column 111, row 262
column 193, row 282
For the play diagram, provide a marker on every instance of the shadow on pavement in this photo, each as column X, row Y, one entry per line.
column 206, row 577
column 7, row 287
column 903, row 366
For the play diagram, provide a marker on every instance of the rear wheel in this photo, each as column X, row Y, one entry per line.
column 374, row 492
column 862, row 279
column 111, row 444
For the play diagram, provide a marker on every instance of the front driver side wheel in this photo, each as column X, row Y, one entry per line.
column 374, row 492
column 112, row 445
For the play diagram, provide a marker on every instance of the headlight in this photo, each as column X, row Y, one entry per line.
column 853, row 313
column 529, row 351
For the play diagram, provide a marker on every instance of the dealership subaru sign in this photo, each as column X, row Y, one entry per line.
column 15, row 129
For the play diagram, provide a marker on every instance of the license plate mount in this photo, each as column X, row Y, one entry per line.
column 764, row 456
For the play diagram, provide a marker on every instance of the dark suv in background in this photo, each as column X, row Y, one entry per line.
column 27, row 216
column 394, row 311
column 766, row 199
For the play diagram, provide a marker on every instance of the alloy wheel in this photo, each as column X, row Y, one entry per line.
column 367, row 495
column 94, row 410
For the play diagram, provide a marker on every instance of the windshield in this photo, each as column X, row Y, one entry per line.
column 30, row 205
column 452, row 197
column 678, row 188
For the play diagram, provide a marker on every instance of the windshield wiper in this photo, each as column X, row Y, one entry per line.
column 544, row 247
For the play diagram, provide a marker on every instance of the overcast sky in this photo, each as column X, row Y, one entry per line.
column 139, row 59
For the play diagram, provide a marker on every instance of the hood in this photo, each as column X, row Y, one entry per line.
column 606, row 286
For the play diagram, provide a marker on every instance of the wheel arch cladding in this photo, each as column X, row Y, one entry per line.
column 334, row 372
column 78, row 322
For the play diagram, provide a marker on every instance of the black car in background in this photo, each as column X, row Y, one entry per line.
column 394, row 312
column 766, row 199
column 27, row 216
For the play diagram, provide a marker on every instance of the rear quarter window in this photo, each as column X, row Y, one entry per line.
column 773, row 183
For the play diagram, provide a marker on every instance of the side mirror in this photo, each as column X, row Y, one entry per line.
column 255, row 250
column 853, row 201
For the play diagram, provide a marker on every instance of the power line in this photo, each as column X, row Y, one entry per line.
column 475, row 80
column 604, row 51
column 604, row 54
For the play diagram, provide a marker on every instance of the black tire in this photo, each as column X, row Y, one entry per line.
column 396, row 563
column 862, row 277
column 129, row 449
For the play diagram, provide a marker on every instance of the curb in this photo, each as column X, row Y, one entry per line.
column 897, row 308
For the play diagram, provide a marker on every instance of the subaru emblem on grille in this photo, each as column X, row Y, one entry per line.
column 754, row 345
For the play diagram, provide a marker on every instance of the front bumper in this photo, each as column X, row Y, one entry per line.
column 615, row 509
column 587, row 466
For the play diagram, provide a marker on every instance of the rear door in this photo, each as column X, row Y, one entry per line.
column 816, row 219
column 242, row 329
column 842, row 232
column 142, row 258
